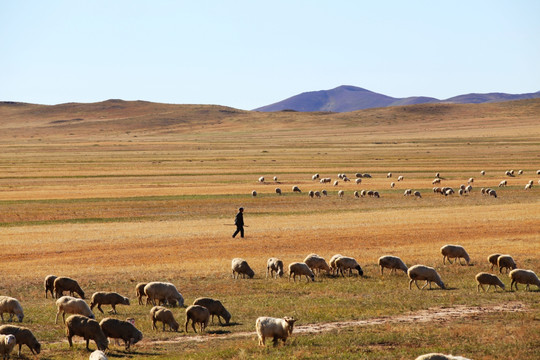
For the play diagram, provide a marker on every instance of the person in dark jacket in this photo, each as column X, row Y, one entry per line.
column 239, row 222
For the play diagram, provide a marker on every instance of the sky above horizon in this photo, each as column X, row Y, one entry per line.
column 247, row 54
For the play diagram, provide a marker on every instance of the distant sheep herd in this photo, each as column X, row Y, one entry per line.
column 446, row 191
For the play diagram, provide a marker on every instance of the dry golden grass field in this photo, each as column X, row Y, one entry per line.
column 116, row 193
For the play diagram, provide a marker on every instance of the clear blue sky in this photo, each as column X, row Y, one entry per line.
column 250, row 53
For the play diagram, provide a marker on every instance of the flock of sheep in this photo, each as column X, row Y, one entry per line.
column 446, row 191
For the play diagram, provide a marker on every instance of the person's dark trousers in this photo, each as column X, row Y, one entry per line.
column 239, row 229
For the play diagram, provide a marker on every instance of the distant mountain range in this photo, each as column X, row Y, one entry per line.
column 350, row 98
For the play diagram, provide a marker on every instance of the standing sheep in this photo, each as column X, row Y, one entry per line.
column 119, row 329
column 274, row 264
column 341, row 193
column 407, row 192
column 71, row 305
column 456, row 252
column 389, row 175
column 315, row 177
column 253, row 193
column 278, row 329
column 98, row 355
column 240, row 266
column 358, row 181
column 62, row 284
column 7, row 343
column 215, row 307
column 336, row 183
column 311, row 194
column 356, row 194
column 417, row 194
column 503, row 183
column 87, row 328
column 139, row 291
column 160, row 313
column 492, row 259
column 393, row 263
column 12, row 307
column 261, row 179
column 278, row 191
column 314, row 261
column 400, row 178
column 332, row 263
column 437, row 356
column 298, row 268
column 296, row 189
column 506, row 262
column 112, row 298
column 23, row 336
column 422, row 272
column 392, row 184
column 521, row 276
column 470, row 181
column 348, row 263
column 162, row 292
column 324, row 192
column 275, row 178
column 484, row 278
column 197, row 314
column 49, row 285
column 482, row 173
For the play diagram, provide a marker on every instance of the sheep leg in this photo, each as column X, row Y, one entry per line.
column 382, row 270
column 427, row 281
column 478, row 287
column 69, row 336
column 55, row 320
column 193, row 326
column 113, row 309
column 275, row 340
column 526, row 287
column 99, row 308
column 88, row 343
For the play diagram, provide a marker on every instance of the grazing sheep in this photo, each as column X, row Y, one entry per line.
column 437, row 175
column 376, row 194
column 62, row 284
column 422, row 272
column 119, row 329
column 341, row 193
column 160, row 313
column 417, row 194
column 493, row 259
column 448, row 192
column 215, row 307
column 484, row 278
column 363, row 193
column 317, row 194
column 336, row 183
column 468, row 188
column 522, row 276
column 470, row 181
column 436, row 181
column 240, row 266
column 324, row 192
column 356, row 194
column 482, row 173
column 520, row 172
column 261, row 179
column 314, row 261
column 49, row 285
column 508, row 173
column 315, row 177
column 112, row 298
column 346, row 179
column 456, row 252
column 298, row 268
column 400, row 178
column 197, row 314
column 325, row 180
column 359, row 175
column 253, row 193
column 275, row 178
column 389, row 175
column 23, row 336
column 278, row 329
column 437, row 356
column 366, row 176
column 7, row 343
column 492, row 192
column 407, row 192
column 528, row 186
column 311, row 194
column 278, row 191
column 461, row 192
column 162, row 292
column 12, row 307
column 348, row 263
column 462, row 187
column 87, row 328
column 393, row 263
column 274, row 264
column 296, row 189
column 332, row 263
column 139, row 291
column 392, row 184
column 506, row 262
column 71, row 305
column 437, row 190
column 358, row 181
column 98, row 355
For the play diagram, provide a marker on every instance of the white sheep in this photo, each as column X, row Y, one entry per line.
column 296, row 189
column 506, row 262
column 358, row 181
column 300, row 269
column 336, row 183
column 325, row 180
column 12, row 307
column 436, row 181
column 393, row 263
column 400, row 178
column 363, row 193
column 528, row 186
column 163, row 292
column 348, row 263
column 454, row 252
column 407, row 192
column 468, row 188
column 392, row 184
column 484, row 278
column 315, row 177
column 274, row 265
column 437, row 175
column 437, row 356
column 278, row 329
column 98, row 355
column 492, row 259
column 311, row 194
column 278, row 191
column 389, row 175
column 356, row 194
column 341, row 193
column 261, row 179
column 520, row 172
column 241, row 267
column 275, row 178
column 71, row 305
column 7, row 343
column 482, row 173
column 503, row 183
column 522, row 276
column 470, row 181
column 314, row 261
column 332, row 263
column 253, row 193
column 422, row 272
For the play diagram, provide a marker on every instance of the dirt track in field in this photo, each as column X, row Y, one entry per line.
column 442, row 314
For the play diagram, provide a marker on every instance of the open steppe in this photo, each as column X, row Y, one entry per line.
column 117, row 193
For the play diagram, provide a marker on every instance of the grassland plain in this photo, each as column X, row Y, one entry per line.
column 117, row 193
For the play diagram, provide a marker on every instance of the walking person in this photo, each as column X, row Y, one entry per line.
column 239, row 222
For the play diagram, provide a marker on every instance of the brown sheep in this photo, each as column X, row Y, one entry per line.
column 23, row 336
column 62, row 284
column 215, row 307
column 139, row 291
column 197, row 314
column 88, row 329
column 119, row 329
column 49, row 285
column 160, row 313
column 112, row 298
